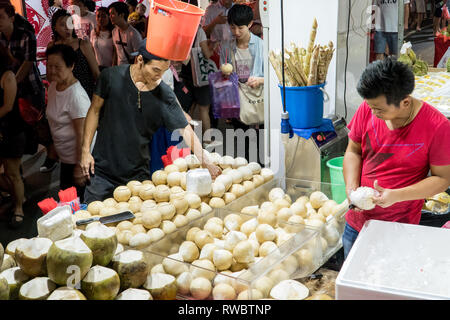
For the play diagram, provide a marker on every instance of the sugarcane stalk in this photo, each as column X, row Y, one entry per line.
column 309, row 52
column 312, row 79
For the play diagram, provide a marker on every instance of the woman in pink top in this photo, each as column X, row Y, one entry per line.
column 395, row 140
column 101, row 39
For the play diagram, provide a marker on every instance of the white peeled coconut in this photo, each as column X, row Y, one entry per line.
column 290, row 265
column 207, row 251
column 317, row 199
column 180, row 221
column 11, row 246
column 265, row 232
column 276, row 193
column 140, row 241
column 174, row 179
column 257, row 180
column 122, row 206
column 223, row 277
column 331, row 235
column 246, row 173
column 248, row 186
column 171, row 168
column 147, row 182
column 226, row 180
column 219, row 243
column 264, row 285
column 158, row 268
column 216, row 220
column 109, row 202
column 64, row 256
column 250, row 294
column 216, row 202
column 239, row 162
column 327, row 208
column 155, row 234
column 236, row 176
column 15, row 278
column 305, row 258
column 255, row 245
column 226, row 162
column 193, row 200
column 161, row 193
column 106, row 211
column 200, row 288
column 266, row 248
column 283, row 237
column 267, row 174
column 214, row 157
column 215, row 229
column 81, row 215
column 228, row 197
column 38, row 288
column 280, row 204
column 267, row 217
column 233, row 222
column 174, row 264
column 177, row 191
column 134, row 294
column 134, row 186
column 278, row 275
column 124, row 237
column 135, row 204
column 148, row 205
column 159, row 177
column 183, row 180
column 205, row 208
column 314, row 223
column 190, row 235
column 238, row 190
column 122, row 194
column 237, row 266
column 251, row 210
column 295, row 224
column 189, row 251
column 223, row 291
column 232, row 238
column 249, row 226
column 217, row 189
column 103, row 243
column 255, row 167
column 124, row 225
column 168, row 226
column 192, row 161
column 180, row 203
column 167, row 210
column 66, row 293
column 8, row 262
column 202, row 238
column 151, row 219
column 299, row 209
column 284, row 214
column 243, row 252
column 31, row 256
column 94, row 207
column 184, row 282
column 362, row 198
column 147, row 191
column 161, row 286
column 100, row 283
column 138, row 228
column 222, row 259
column 181, row 164
column 203, row 268
column 289, row 290
column 132, row 268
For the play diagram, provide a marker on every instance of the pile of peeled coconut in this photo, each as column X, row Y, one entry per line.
column 162, row 205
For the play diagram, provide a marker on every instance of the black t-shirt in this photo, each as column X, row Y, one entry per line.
column 121, row 151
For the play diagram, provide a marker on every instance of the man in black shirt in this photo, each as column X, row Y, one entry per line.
column 134, row 104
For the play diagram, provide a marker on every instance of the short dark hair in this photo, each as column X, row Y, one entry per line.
column 133, row 3
column 152, row 57
column 66, row 52
column 8, row 7
column 388, row 77
column 121, row 8
column 240, row 15
column 59, row 14
column 90, row 5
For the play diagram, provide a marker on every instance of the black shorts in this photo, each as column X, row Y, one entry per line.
column 12, row 146
column 191, row 95
column 438, row 12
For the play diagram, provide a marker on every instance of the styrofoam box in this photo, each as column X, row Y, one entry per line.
column 396, row 261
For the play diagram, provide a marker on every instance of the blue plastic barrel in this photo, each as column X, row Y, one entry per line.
column 305, row 105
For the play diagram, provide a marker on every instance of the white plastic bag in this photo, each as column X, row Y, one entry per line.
column 57, row 224
column 199, row 181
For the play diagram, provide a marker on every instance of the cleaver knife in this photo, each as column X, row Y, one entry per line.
column 126, row 215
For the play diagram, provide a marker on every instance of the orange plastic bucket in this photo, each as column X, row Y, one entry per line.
column 172, row 26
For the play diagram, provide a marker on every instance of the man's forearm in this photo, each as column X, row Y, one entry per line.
column 90, row 126
column 426, row 188
column 352, row 169
column 194, row 144
column 209, row 28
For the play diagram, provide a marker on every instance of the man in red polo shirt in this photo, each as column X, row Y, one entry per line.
column 395, row 140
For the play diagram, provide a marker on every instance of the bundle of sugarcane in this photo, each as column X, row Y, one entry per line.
column 303, row 67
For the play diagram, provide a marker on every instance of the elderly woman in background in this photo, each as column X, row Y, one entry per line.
column 67, row 107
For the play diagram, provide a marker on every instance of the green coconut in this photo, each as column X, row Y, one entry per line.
column 100, row 283
column 131, row 268
column 68, row 259
column 16, row 278
column 420, row 68
column 2, row 252
column 411, row 54
column 37, row 289
column 161, row 286
column 31, row 256
column 66, row 293
column 8, row 262
column 11, row 247
column 134, row 294
column 4, row 288
column 103, row 243
column 404, row 58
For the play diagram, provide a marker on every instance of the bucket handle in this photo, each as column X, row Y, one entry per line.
column 326, row 96
column 152, row 4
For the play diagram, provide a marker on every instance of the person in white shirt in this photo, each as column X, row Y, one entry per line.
column 83, row 20
column 68, row 104
column 126, row 39
column 101, row 39
column 386, row 28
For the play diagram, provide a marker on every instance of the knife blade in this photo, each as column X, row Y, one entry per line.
column 126, row 215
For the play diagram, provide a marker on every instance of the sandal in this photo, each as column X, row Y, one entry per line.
column 16, row 220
